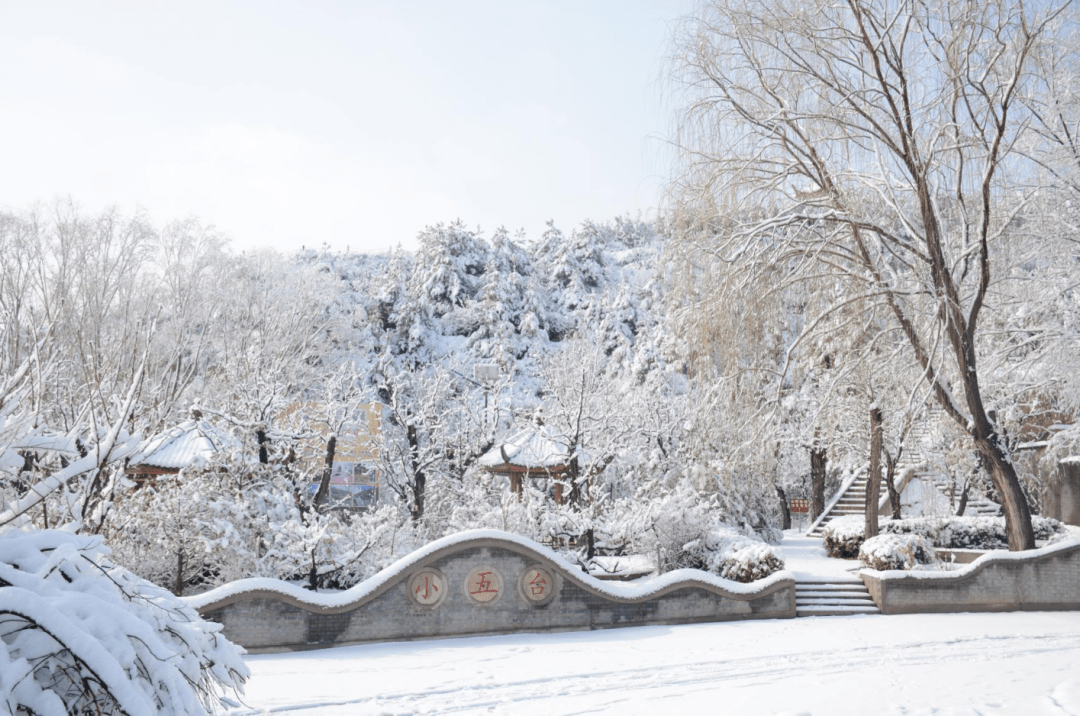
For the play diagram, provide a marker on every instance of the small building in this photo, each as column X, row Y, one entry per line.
column 531, row 454
column 356, row 474
column 192, row 443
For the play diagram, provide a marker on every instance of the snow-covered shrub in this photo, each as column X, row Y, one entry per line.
column 896, row 551
column 954, row 532
column 79, row 635
column 209, row 527
column 969, row 532
column 732, row 555
column 1046, row 527
column 264, row 527
column 160, row 536
column 843, row 537
column 1068, row 534
column 751, row 562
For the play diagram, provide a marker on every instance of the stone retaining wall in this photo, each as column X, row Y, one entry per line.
column 487, row 583
column 1039, row 580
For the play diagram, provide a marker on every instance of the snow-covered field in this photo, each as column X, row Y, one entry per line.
column 1022, row 664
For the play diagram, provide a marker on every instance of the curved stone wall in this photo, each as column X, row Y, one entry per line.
column 480, row 582
column 1039, row 580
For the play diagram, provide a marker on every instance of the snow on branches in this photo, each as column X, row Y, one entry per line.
column 79, row 634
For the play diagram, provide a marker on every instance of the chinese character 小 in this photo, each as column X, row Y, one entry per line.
column 427, row 587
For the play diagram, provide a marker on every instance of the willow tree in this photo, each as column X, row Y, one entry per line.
column 870, row 147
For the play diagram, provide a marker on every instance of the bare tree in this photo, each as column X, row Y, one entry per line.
column 873, row 144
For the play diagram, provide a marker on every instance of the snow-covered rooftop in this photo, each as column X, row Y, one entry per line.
column 190, row 444
column 532, row 447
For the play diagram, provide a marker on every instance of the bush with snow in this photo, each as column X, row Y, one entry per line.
column 732, row 555
column 79, row 635
column 843, row 537
column 206, row 527
column 1069, row 534
column 896, row 551
column 969, row 532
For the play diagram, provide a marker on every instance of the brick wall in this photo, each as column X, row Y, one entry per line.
column 532, row 592
column 1044, row 579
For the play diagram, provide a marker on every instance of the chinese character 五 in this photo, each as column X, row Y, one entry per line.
column 484, row 586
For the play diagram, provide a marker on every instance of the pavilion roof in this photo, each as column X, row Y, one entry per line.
column 531, row 448
column 190, row 444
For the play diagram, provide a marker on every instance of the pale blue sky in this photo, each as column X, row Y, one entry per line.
column 350, row 123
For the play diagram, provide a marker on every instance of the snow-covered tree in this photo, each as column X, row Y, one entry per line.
column 877, row 145
column 79, row 634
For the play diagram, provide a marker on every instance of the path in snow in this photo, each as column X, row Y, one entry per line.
column 806, row 558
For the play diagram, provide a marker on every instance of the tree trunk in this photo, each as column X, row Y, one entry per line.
column 23, row 486
column 313, row 574
column 818, row 465
column 1003, row 474
column 324, row 483
column 264, row 452
column 890, row 481
column 873, row 482
column 178, row 583
column 785, row 510
column 419, row 482
column 575, row 479
column 963, row 500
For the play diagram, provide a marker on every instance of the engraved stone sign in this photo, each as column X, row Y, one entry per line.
column 483, row 585
column 427, row 587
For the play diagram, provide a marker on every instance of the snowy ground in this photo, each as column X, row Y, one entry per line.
column 1022, row 664
column 805, row 557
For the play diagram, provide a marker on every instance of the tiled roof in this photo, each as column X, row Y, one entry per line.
column 529, row 448
column 189, row 444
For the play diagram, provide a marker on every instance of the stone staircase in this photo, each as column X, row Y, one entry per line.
column 918, row 440
column 977, row 506
column 852, row 501
column 832, row 596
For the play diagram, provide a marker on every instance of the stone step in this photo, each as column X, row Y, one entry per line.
column 833, row 611
column 835, row 602
column 831, row 594
column 813, row 582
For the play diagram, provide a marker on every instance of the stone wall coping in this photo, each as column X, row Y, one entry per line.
column 968, row 571
column 338, row 602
